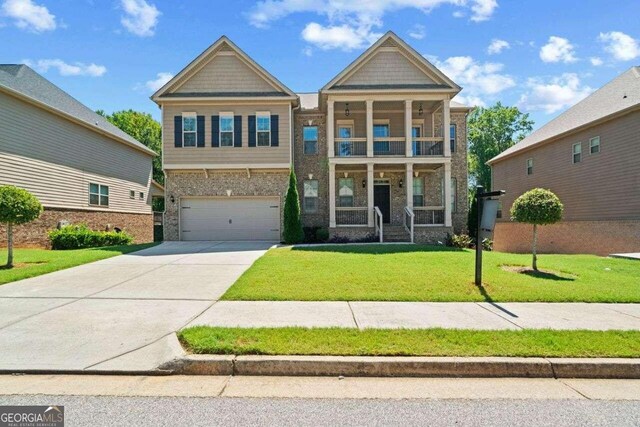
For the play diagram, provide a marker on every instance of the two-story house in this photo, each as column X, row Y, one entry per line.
column 369, row 150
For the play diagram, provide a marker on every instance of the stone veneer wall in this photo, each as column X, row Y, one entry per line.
column 36, row 234
column 570, row 237
column 193, row 184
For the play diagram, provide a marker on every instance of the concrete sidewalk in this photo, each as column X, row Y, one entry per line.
column 419, row 315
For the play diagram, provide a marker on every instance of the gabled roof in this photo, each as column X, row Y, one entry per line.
column 441, row 81
column 620, row 94
column 23, row 82
column 279, row 88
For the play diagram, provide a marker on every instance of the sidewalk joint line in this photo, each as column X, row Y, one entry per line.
column 574, row 389
column 353, row 314
column 224, row 387
column 498, row 314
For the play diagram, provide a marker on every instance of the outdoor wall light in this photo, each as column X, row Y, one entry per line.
column 401, row 182
column 420, row 110
column 346, row 110
column 172, row 199
column 364, row 183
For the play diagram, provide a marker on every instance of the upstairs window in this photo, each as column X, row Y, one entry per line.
column 594, row 145
column 132, row 194
column 263, row 129
column 189, row 129
column 529, row 166
column 226, row 129
column 345, row 192
column 577, row 152
column 98, row 195
column 141, row 195
column 380, row 132
column 418, row 192
column 452, row 137
column 311, row 196
column 310, row 137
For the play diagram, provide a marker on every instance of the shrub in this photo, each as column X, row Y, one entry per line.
column 487, row 244
column 322, row 235
column 17, row 206
column 80, row 236
column 459, row 241
column 293, row 232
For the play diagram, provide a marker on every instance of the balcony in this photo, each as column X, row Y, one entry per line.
column 389, row 147
column 351, row 147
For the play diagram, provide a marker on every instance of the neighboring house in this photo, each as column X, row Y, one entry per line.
column 81, row 168
column 369, row 148
column 589, row 156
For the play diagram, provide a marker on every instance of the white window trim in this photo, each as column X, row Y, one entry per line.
column 262, row 114
column 141, row 195
column 527, row 166
column 344, row 124
column 195, row 116
column 573, row 152
column 226, row 114
column 99, row 194
column 591, row 146
column 413, row 190
column 353, row 191
column 317, row 196
column 132, row 194
column 304, row 141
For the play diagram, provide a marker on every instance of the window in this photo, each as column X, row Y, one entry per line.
column 132, row 194
column 189, row 129
column 418, row 192
column 226, row 129
column 141, row 195
column 380, row 130
column 529, row 166
column 310, row 137
column 416, row 132
column 452, row 138
column 311, row 196
column 98, row 195
column 594, row 145
column 345, row 192
column 454, row 195
column 263, row 129
column 345, row 131
column 577, row 152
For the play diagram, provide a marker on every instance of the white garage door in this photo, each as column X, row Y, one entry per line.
column 230, row 219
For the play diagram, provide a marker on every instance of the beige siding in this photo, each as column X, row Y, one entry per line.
column 56, row 159
column 225, row 73
column 226, row 155
column 604, row 186
column 388, row 68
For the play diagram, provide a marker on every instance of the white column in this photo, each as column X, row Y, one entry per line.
column 330, row 128
column 446, row 122
column 332, row 195
column 409, row 185
column 447, row 194
column 370, row 194
column 408, row 124
column 369, row 103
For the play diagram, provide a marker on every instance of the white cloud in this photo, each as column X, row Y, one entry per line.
column 497, row 46
column 596, row 61
column 483, row 9
column 338, row 37
column 29, row 16
column 621, row 46
column 307, row 51
column 417, row 32
column 140, row 17
column 160, row 80
column 558, row 49
column 65, row 69
column 553, row 95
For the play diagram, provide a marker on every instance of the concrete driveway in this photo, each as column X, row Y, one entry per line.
column 118, row 313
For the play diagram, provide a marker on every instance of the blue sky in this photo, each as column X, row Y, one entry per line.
column 540, row 55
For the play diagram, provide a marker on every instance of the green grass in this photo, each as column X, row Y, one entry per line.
column 34, row 262
column 428, row 273
column 407, row 342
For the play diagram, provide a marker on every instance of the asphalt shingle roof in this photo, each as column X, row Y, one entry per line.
column 619, row 94
column 22, row 79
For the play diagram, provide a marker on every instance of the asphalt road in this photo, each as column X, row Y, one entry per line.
column 179, row 411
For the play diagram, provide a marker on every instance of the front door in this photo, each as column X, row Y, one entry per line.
column 382, row 199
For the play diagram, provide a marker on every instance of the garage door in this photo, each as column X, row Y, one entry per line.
column 230, row 219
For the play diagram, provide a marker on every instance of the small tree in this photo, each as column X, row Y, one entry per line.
column 293, row 232
column 537, row 207
column 17, row 206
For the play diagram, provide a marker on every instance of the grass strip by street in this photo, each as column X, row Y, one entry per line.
column 410, row 342
column 432, row 273
column 35, row 262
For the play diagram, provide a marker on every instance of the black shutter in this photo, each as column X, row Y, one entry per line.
column 200, row 135
column 252, row 130
column 177, row 131
column 215, row 131
column 237, row 131
column 275, row 134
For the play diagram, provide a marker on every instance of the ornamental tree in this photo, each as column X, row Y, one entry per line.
column 293, row 232
column 537, row 207
column 17, row 206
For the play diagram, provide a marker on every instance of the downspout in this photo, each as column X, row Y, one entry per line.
column 292, row 132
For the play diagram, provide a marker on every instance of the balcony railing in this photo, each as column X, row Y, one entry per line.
column 389, row 146
column 351, row 147
column 428, row 215
column 352, row 216
column 428, row 146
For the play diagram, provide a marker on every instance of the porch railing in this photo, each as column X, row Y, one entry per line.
column 409, row 220
column 389, row 146
column 352, row 216
column 428, row 146
column 350, row 147
column 378, row 223
column 429, row 215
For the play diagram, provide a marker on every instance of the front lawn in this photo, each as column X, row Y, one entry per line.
column 34, row 262
column 430, row 273
column 407, row 342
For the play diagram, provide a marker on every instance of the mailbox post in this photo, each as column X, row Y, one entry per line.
column 486, row 219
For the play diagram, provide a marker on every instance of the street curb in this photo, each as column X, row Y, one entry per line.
column 357, row 366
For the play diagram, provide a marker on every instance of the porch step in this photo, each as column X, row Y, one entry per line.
column 395, row 234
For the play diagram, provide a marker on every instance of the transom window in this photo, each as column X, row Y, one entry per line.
column 311, row 196
column 452, row 137
column 189, row 129
column 226, row 129
column 418, row 192
column 577, row 152
column 98, row 195
column 345, row 192
column 594, row 145
column 263, row 129
column 529, row 166
column 310, row 137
